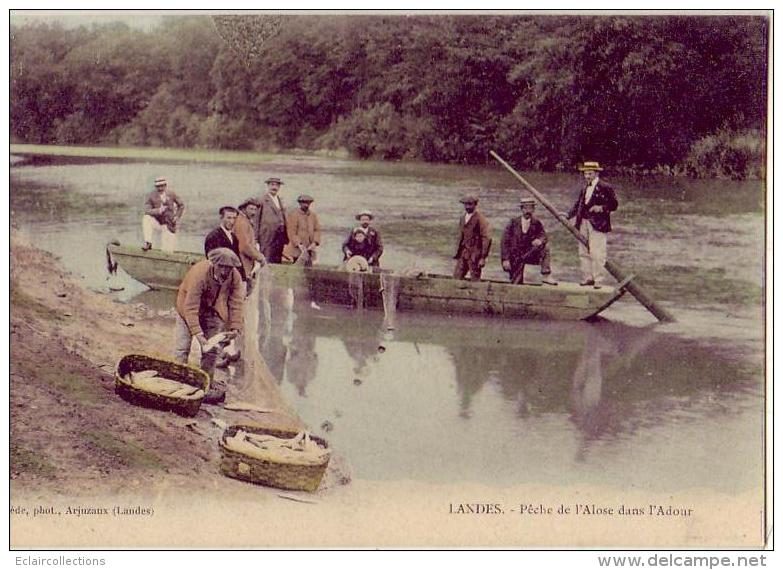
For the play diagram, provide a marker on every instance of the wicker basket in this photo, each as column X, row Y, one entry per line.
column 168, row 368
column 270, row 473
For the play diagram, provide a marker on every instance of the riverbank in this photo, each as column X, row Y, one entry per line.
column 69, row 432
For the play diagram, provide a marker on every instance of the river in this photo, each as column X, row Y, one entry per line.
column 623, row 402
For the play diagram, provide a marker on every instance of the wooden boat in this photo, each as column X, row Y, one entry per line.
column 426, row 292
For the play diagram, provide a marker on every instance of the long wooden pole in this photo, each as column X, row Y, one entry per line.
column 613, row 268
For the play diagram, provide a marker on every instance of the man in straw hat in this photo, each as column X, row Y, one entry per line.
column 162, row 212
column 591, row 211
column 209, row 301
column 525, row 243
column 371, row 246
column 304, row 232
column 249, row 253
column 475, row 240
column 271, row 225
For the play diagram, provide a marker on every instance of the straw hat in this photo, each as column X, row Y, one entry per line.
column 273, row 179
column 357, row 264
column 469, row 199
column 590, row 166
column 365, row 213
column 160, row 181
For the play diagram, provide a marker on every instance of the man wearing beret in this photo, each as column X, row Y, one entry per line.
column 525, row 243
column 475, row 240
column 271, row 225
column 591, row 211
column 304, row 232
column 162, row 212
column 209, row 301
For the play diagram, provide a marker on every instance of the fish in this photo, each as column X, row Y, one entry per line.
column 298, row 450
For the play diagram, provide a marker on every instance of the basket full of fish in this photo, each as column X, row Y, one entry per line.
column 273, row 457
column 161, row 384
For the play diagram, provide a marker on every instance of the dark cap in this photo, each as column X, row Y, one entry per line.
column 305, row 198
column 469, row 199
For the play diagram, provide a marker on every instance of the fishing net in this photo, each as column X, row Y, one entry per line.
column 390, row 286
column 247, row 34
column 253, row 384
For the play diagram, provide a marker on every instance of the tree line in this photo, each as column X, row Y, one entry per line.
column 674, row 94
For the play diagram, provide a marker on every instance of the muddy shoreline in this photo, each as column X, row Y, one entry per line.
column 70, row 433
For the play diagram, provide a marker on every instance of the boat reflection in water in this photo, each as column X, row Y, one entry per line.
column 469, row 399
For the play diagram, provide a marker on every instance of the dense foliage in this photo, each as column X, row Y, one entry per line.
column 680, row 93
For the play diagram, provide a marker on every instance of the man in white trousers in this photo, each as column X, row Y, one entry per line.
column 592, row 210
column 163, row 210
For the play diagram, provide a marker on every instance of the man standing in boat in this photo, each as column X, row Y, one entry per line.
column 475, row 240
column 271, row 225
column 304, row 232
column 209, row 301
column 249, row 253
column 525, row 243
column 592, row 210
column 371, row 247
column 163, row 210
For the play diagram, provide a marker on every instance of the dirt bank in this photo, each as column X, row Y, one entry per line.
column 70, row 434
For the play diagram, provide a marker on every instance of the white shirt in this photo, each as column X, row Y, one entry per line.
column 591, row 189
column 365, row 231
column 468, row 216
column 228, row 233
column 276, row 200
column 525, row 224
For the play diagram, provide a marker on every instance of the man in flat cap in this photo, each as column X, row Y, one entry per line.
column 271, row 225
column 525, row 243
column 475, row 240
column 209, row 301
column 371, row 246
column 591, row 211
column 249, row 254
column 304, row 232
column 162, row 212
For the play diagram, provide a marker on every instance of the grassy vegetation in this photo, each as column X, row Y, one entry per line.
column 154, row 154
column 24, row 460
column 76, row 387
column 675, row 283
column 126, row 452
column 35, row 201
column 22, row 302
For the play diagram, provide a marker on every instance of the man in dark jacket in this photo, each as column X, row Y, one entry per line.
column 371, row 247
column 475, row 240
column 591, row 211
column 525, row 243
column 223, row 235
column 271, row 223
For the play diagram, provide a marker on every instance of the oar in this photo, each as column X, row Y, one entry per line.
column 613, row 268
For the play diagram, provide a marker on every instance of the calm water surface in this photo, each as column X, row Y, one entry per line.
column 624, row 402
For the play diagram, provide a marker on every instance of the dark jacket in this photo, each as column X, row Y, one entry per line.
column 371, row 249
column 173, row 211
column 475, row 237
column 516, row 244
column 270, row 226
column 604, row 196
column 218, row 238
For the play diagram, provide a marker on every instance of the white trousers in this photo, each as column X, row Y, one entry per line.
column 592, row 262
column 151, row 227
